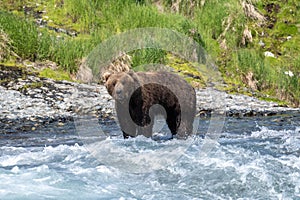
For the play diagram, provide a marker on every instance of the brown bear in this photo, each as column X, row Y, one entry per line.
column 140, row 96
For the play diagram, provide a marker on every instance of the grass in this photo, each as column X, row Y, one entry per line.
column 217, row 25
column 96, row 21
column 237, row 60
column 23, row 34
column 5, row 46
column 30, row 42
column 147, row 56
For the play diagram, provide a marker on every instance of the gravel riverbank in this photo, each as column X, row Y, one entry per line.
column 28, row 103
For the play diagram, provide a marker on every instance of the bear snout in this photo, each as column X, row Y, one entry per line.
column 118, row 91
column 118, row 95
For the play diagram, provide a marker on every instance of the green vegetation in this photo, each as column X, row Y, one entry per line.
column 23, row 34
column 31, row 86
column 148, row 56
column 235, row 33
column 187, row 70
column 30, row 42
column 58, row 75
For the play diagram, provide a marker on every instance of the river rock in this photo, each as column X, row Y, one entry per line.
column 51, row 100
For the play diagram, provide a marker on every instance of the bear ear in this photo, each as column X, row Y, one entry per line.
column 130, row 72
column 134, row 76
column 105, row 76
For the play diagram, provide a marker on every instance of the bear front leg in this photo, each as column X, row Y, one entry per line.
column 125, row 135
column 185, row 129
column 173, row 125
column 145, row 130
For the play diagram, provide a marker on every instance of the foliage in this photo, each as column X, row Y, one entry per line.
column 148, row 56
column 23, row 34
column 218, row 25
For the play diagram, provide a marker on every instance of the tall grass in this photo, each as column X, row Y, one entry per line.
column 33, row 44
column 113, row 16
column 269, row 77
column 23, row 34
column 68, row 53
column 83, row 13
column 209, row 24
column 252, row 61
column 147, row 56
column 100, row 19
column 218, row 20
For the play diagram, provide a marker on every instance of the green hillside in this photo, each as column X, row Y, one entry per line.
column 255, row 43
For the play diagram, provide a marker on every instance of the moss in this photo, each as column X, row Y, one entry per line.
column 291, row 47
column 188, row 70
column 10, row 63
column 55, row 75
column 275, row 100
column 32, row 85
column 12, row 66
column 182, row 66
column 11, row 73
column 4, row 80
column 285, row 29
column 15, row 6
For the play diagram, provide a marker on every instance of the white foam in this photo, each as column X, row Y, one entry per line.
column 271, row 170
column 138, row 155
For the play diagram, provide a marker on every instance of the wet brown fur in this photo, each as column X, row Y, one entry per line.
column 136, row 93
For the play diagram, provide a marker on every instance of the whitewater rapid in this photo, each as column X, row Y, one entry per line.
column 257, row 164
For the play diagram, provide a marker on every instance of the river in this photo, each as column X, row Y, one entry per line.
column 255, row 158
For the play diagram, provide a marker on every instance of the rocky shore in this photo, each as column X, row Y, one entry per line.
column 29, row 102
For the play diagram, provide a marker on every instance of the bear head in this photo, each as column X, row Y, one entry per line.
column 121, row 85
